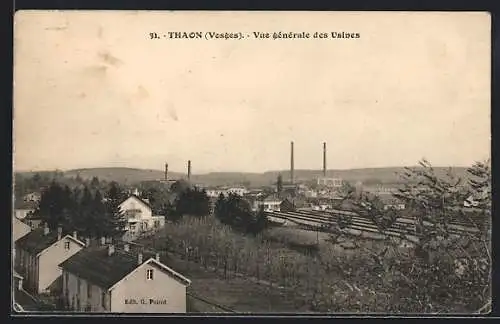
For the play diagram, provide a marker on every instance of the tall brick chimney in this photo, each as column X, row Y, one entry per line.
column 291, row 163
column 166, row 171
column 324, row 159
column 189, row 169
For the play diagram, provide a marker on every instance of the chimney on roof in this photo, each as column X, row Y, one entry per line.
column 189, row 169
column 324, row 159
column 166, row 171
column 87, row 242
column 139, row 258
column 75, row 234
column 291, row 162
column 126, row 247
column 103, row 241
column 59, row 233
column 157, row 257
column 111, row 249
column 46, row 229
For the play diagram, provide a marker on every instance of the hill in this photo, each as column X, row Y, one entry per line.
column 121, row 175
column 131, row 176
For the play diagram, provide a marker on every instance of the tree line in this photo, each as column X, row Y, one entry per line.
column 83, row 209
column 237, row 213
column 95, row 213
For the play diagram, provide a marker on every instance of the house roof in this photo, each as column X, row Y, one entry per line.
column 36, row 241
column 33, row 216
column 19, row 224
column 21, row 204
column 34, row 193
column 272, row 197
column 146, row 203
column 96, row 266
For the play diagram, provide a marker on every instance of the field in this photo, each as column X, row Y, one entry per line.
column 210, row 288
column 299, row 236
column 276, row 289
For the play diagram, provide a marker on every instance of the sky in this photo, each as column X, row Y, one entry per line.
column 91, row 89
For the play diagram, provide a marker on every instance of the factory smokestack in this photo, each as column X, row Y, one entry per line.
column 166, row 171
column 291, row 162
column 189, row 169
column 324, row 159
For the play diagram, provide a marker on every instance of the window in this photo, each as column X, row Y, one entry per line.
column 157, row 223
column 78, row 283
column 66, row 245
column 89, row 291
column 149, row 274
column 103, row 300
column 132, row 228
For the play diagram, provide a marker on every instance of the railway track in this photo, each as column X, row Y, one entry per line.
column 322, row 220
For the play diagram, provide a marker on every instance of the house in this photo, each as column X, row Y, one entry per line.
column 140, row 219
column 270, row 203
column 392, row 203
column 38, row 255
column 34, row 221
column 32, row 196
column 287, row 205
column 24, row 208
column 310, row 193
column 240, row 191
column 215, row 193
column 108, row 279
column 19, row 229
column 329, row 182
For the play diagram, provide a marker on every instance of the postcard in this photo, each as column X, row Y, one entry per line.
column 251, row 162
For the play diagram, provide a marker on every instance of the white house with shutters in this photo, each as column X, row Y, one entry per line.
column 140, row 218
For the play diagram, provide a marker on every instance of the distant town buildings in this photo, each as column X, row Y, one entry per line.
column 225, row 191
column 329, row 182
